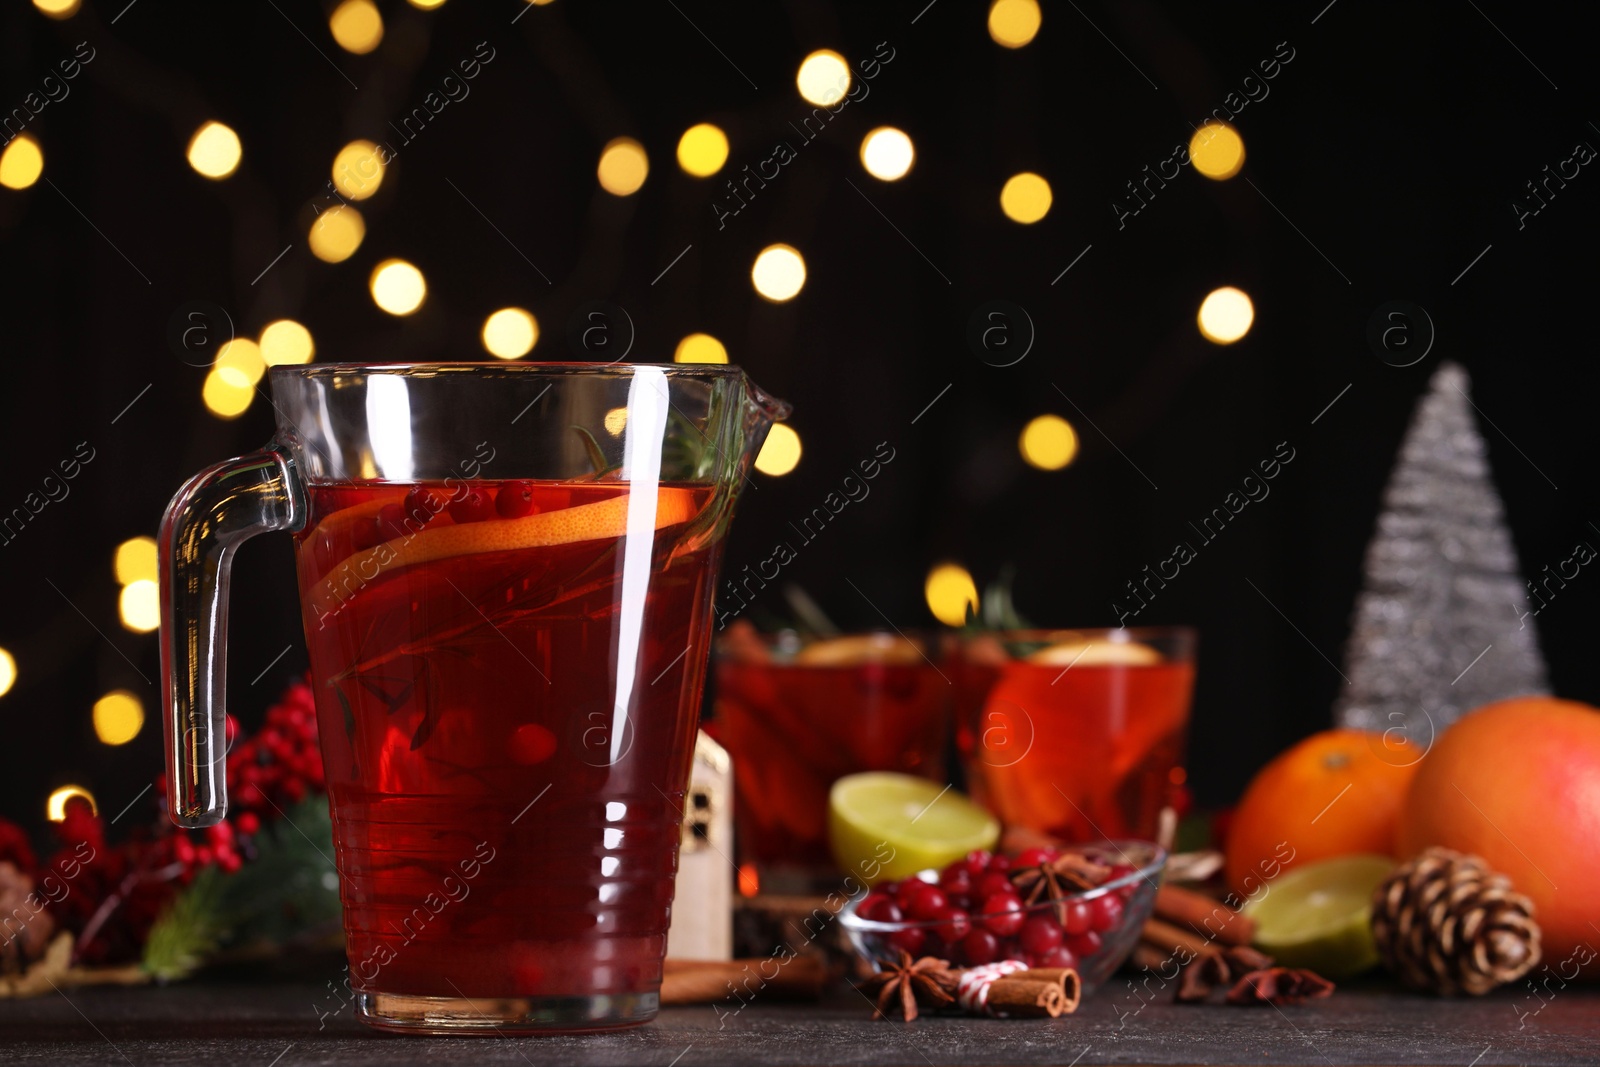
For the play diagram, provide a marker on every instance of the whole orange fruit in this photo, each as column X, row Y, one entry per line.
column 1332, row 794
column 1518, row 783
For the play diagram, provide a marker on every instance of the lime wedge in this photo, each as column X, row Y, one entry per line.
column 886, row 826
column 1320, row 916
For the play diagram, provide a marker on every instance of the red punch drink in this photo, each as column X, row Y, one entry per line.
column 508, row 679
column 796, row 721
column 1081, row 733
column 507, row 671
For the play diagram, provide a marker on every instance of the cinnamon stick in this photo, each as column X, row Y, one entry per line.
column 1207, row 916
column 1148, row 957
column 1066, row 977
column 1021, row 998
column 707, row 981
column 1169, row 938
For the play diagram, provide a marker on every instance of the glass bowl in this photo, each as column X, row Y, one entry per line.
column 1102, row 924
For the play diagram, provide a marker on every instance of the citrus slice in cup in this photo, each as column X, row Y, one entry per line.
column 859, row 649
column 885, row 826
column 1320, row 916
column 604, row 519
column 1096, row 654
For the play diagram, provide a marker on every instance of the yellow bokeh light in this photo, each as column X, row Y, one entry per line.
column 887, row 153
column 239, row 363
column 1048, row 442
column 223, row 398
column 1026, row 198
column 357, row 26
column 118, row 717
column 700, row 348
column 950, row 591
column 702, row 150
column 510, row 333
column 823, row 78
column 337, row 233
column 56, row 806
column 140, row 606
column 780, row 453
column 616, row 421
column 8, row 672
column 1225, row 315
column 427, row 5
column 1217, row 151
column 58, row 9
column 136, row 560
column 779, row 273
column 21, row 163
column 623, row 166
column 286, row 343
column 214, row 151
column 358, row 170
column 1013, row 23
column 397, row 287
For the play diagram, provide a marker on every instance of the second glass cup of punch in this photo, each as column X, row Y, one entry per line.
column 1076, row 734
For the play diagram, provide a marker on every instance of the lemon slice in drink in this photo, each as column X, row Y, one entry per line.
column 886, row 826
column 1320, row 916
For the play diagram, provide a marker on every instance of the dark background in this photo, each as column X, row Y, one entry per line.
column 1395, row 141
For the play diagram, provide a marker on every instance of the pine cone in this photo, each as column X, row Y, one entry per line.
column 1445, row 923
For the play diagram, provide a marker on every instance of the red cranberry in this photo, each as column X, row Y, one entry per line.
column 954, row 924
column 1002, row 914
column 514, row 500
column 990, row 884
column 911, row 940
column 248, row 823
column 980, row 947
column 532, row 743
column 879, row 908
column 1105, row 912
column 956, row 879
column 1032, row 857
column 1000, row 863
column 1122, row 870
column 422, row 504
column 977, row 862
column 391, row 522
column 926, row 903
column 908, row 889
column 1078, row 920
column 1040, row 934
column 889, row 889
column 472, row 506
column 1060, row 956
column 1084, row 945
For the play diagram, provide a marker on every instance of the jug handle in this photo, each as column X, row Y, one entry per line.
column 213, row 513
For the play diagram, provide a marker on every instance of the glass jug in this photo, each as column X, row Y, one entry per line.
column 506, row 578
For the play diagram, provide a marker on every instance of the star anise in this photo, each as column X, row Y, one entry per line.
column 928, row 981
column 1215, row 968
column 1279, row 985
column 1057, row 879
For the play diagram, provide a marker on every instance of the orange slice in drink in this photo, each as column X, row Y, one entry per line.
column 605, row 519
column 1097, row 654
column 859, row 649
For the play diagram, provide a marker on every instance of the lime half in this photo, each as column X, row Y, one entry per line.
column 884, row 826
column 1320, row 916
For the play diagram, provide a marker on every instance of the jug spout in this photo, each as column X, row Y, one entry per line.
column 761, row 410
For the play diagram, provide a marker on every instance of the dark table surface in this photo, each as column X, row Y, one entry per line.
column 244, row 1024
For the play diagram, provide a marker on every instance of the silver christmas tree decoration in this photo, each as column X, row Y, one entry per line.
column 1438, row 628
